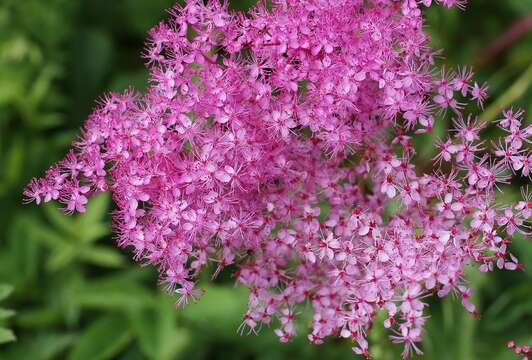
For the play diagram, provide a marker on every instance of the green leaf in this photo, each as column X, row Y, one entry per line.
column 22, row 252
column 6, row 313
column 524, row 252
column 58, row 218
column 47, row 235
column 14, row 161
column 6, row 335
column 510, row 308
column 61, row 258
column 102, row 256
column 38, row 347
column 47, row 120
column 113, row 293
column 103, row 339
column 41, row 85
column 219, row 309
column 91, row 233
column 5, row 291
column 97, row 208
column 157, row 332
column 16, row 80
column 40, row 317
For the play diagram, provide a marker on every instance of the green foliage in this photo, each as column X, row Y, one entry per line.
column 104, row 338
column 77, row 296
column 157, row 331
column 6, row 335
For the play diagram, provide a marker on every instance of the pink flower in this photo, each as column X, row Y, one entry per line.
column 445, row 151
column 479, row 93
column 327, row 247
column 462, row 79
column 520, row 350
column 282, row 144
column 76, row 199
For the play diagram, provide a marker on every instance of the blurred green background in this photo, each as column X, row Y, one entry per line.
column 66, row 292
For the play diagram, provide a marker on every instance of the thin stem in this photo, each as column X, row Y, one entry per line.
column 518, row 30
column 511, row 95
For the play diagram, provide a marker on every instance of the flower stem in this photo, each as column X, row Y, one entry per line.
column 512, row 94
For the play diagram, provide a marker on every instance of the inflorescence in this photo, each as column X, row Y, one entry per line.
column 281, row 142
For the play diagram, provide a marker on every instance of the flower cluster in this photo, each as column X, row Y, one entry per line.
column 281, row 141
column 525, row 351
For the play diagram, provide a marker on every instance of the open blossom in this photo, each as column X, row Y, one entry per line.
column 280, row 141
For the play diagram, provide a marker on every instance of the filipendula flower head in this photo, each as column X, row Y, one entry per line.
column 253, row 121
